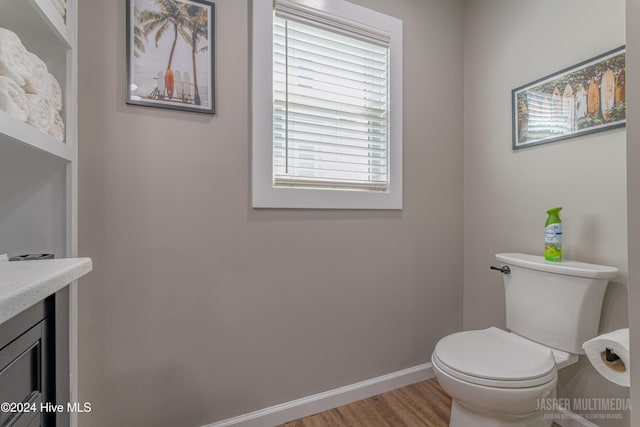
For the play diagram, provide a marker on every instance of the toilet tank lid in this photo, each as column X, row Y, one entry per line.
column 569, row 268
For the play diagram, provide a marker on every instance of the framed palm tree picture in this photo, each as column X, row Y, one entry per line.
column 170, row 51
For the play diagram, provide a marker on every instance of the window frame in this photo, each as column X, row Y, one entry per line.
column 264, row 194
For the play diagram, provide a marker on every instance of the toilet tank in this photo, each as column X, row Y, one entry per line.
column 557, row 304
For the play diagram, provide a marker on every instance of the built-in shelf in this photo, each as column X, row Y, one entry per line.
column 46, row 25
column 13, row 131
column 24, row 283
column 38, row 194
column 54, row 20
column 44, row 31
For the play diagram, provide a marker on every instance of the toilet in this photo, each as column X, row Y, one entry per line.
column 497, row 378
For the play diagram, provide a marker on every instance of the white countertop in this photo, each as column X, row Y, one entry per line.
column 24, row 283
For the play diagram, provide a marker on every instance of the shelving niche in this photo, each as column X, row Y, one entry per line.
column 37, row 172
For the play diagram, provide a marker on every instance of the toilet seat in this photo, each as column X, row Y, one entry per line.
column 495, row 358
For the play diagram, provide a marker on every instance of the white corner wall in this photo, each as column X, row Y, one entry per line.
column 509, row 43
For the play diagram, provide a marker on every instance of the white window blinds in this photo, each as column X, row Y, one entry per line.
column 330, row 102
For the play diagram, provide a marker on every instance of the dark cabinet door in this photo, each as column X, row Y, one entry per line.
column 25, row 375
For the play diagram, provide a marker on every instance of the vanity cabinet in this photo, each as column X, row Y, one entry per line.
column 27, row 360
column 34, row 341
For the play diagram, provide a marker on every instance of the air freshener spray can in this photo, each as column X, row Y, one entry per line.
column 553, row 236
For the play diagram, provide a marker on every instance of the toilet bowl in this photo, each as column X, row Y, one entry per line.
column 500, row 379
column 495, row 378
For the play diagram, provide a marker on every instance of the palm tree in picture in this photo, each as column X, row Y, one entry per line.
column 138, row 41
column 170, row 17
column 197, row 22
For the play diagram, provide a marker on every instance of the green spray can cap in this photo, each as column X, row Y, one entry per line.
column 554, row 216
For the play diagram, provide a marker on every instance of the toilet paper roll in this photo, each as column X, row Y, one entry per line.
column 617, row 341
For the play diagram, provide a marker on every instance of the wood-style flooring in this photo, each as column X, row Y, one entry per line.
column 416, row 405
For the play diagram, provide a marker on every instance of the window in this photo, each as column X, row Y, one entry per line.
column 327, row 106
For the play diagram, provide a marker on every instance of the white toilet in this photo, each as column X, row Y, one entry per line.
column 496, row 378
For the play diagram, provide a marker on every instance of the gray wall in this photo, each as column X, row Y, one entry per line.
column 201, row 308
column 507, row 44
column 633, row 194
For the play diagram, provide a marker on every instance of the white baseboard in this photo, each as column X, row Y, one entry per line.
column 320, row 402
column 566, row 418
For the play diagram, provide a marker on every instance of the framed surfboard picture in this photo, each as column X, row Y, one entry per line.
column 170, row 54
column 587, row 97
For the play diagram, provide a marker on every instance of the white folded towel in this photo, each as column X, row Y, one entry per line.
column 61, row 6
column 54, row 93
column 14, row 59
column 41, row 113
column 38, row 82
column 57, row 129
column 13, row 100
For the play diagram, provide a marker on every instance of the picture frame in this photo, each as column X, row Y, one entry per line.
column 170, row 54
column 585, row 98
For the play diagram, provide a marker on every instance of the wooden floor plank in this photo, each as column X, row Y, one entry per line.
column 334, row 418
column 317, row 420
column 439, row 402
column 400, row 413
column 429, row 414
column 412, row 406
column 423, row 404
column 363, row 413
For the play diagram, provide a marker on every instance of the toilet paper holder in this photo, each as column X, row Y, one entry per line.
column 613, row 361
column 610, row 355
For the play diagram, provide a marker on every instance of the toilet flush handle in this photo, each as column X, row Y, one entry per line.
column 503, row 270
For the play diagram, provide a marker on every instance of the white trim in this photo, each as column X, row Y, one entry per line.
column 320, row 402
column 566, row 418
column 264, row 194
